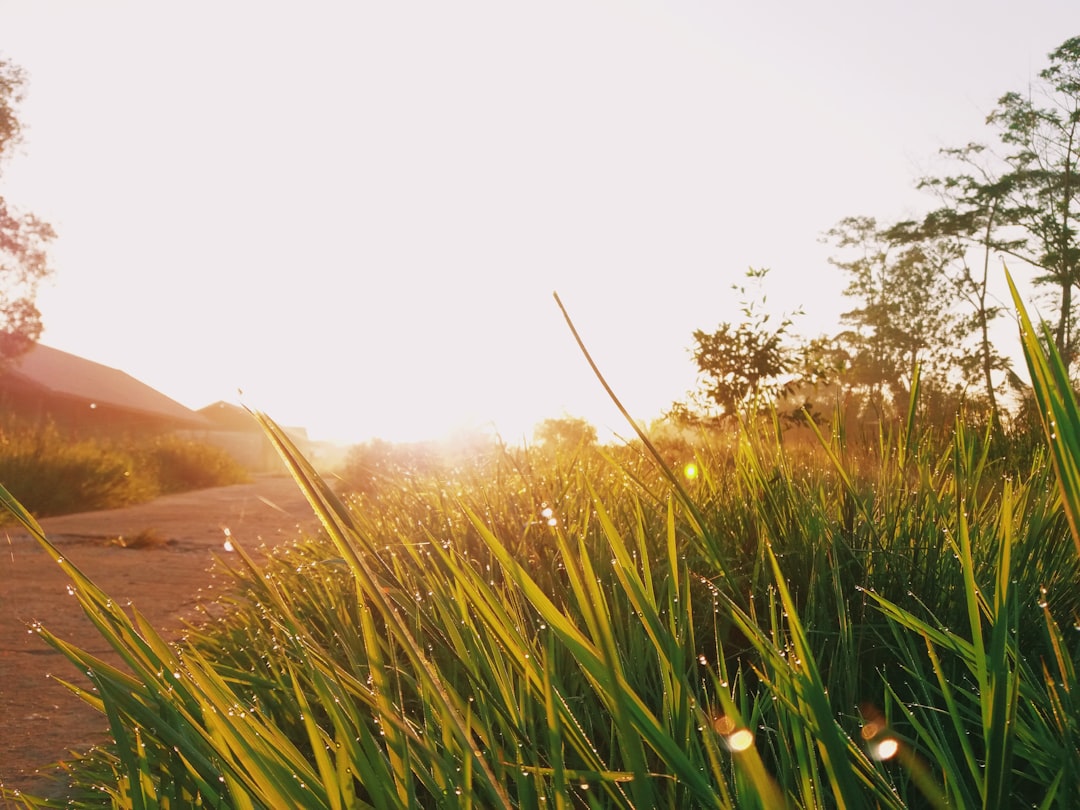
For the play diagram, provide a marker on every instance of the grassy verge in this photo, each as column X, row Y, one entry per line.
column 743, row 628
column 52, row 473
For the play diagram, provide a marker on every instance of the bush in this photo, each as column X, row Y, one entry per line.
column 53, row 473
column 181, row 465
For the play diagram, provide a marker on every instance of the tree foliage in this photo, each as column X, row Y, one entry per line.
column 921, row 288
column 904, row 314
column 1018, row 197
column 745, row 365
column 972, row 214
column 23, row 240
column 565, row 432
column 1040, row 179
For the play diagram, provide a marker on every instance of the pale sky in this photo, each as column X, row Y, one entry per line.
column 356, row 212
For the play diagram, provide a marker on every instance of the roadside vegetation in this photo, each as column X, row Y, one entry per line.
column 731, row 622
column 53, row 473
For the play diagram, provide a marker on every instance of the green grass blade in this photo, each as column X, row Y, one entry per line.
column 1058, row 410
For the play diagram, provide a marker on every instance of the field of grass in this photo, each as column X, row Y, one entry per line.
column 52, row 473
column 746, row 625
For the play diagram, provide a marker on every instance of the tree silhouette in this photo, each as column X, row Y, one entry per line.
column 23, row 239
column 565, row 432
column 904, row 309
column 749, row 364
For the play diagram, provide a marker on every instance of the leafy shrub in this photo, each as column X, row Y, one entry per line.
column 181, row 465
column 53, row 473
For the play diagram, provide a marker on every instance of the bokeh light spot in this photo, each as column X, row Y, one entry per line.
column 740, row 740
column 736, row 738
column 886, row 748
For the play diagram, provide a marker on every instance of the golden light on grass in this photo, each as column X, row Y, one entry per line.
column 690, row 471
column 144, row 538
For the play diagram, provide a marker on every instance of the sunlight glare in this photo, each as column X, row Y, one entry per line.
column 736, row 738
column 885, row 749
column 876, row 732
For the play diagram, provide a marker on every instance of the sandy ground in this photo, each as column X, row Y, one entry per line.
column 40, row 721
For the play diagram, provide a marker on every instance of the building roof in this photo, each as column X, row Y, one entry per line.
column 227, row 416
column 71, row 377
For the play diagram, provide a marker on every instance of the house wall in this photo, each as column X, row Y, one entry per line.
column 78, row 417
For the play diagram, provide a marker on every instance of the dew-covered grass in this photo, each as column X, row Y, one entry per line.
column 737, row 624
column 56, row 472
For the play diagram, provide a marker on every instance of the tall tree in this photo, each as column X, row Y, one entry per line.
column 1039, row 185
column 23, row 240
column 973, row 213
column 903, row 316
column 1017, row 199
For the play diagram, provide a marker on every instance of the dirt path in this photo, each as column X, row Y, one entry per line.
column 40, row 722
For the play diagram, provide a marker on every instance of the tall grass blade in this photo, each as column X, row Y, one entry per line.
column 338, row 525
column 1058, row 410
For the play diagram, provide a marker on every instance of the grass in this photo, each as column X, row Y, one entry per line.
column 53, row 473
column 884, row 627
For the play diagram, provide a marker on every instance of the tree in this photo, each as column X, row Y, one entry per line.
column 904, row 314
column 745, row 365
column 23, row 239
column 1023, row 202
column 1018, row 200
column 565, row 432
column 973, row 214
